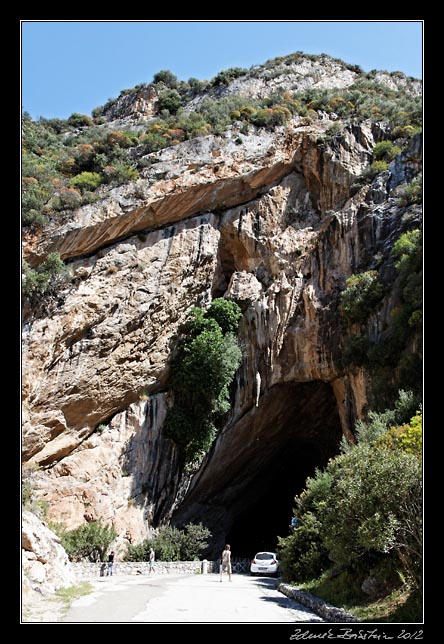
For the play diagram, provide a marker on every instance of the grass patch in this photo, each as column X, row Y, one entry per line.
column 343, row 591
column 70, row 593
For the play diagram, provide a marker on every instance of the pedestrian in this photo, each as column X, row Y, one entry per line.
column 110, row 563
column 226, row 562
column 152, row 560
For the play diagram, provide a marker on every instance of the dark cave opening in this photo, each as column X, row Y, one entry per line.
column 269, row 513
column 245, row 494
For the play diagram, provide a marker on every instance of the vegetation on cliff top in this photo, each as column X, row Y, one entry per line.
column 69, row 163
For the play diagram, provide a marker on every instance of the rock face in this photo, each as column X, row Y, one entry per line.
column 268, row 222
column 45, row 563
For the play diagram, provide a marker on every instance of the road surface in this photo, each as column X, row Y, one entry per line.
column 186, row 599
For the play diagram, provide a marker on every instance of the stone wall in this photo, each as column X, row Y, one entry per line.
column 318, row 606
column 85, row 569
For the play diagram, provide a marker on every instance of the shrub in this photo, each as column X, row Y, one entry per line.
column 365, row 508
column 406, row 437
column 196, row 86
column 86, row 181
column 169, row 100
column 374, row 503
column 385, row 150
column 362, row 294
column 405, row 249
column 38, row 282
column 166, row 77
column 226, row 313
column 34, row 197
column 120, row 173
column 120, row 139
column 377, row 167
column 154, row 141
column 225, row 77
column 410, row 193
column 65, row 199
column 80, row 120
column 172, row 544
column 89, row 541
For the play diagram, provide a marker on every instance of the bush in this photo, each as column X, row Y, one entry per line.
column 86, row 181
column 226, row 313
column 65, row 199
column 119, row 139
column 405, row 249
column 410, row 193
column 34, row 197
column 169, row 100
column 377, row 167
column 89, row 541
column 225, row 77
column 154, row 141
column 365, row 509
column 407, row 438
column 362, row 294
column 40, row 281
column 374, row 507
column 80, row 120
column 172, row 544
column 120, row 173
column 166, row 77
column 386, row 151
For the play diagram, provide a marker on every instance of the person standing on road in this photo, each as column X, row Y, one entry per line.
column 110, row 563
column 152, row 559
column 226, row 562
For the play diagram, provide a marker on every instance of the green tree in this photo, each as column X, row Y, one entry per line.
column 166, row 77
column 201, row 373
column 89, row 541
column 172, row 544
column 80, row 120
column 365, row 508
column 226, row 313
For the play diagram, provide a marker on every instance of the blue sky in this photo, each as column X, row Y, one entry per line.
column 76, row 66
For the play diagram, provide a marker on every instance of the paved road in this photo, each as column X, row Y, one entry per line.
column 187, row 599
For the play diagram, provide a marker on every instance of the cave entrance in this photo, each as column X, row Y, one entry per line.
column 267, row 515
column 245, row 494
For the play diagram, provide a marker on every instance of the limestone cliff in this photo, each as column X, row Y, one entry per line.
column 269, row 219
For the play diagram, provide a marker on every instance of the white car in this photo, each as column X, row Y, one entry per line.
column 265, row 563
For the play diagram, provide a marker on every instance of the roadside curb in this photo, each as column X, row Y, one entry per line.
column 318, row 606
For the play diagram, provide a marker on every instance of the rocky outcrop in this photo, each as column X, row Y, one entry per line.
column 134, row 104
column 45, row 563
column 269, row 223
column 208, row 174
